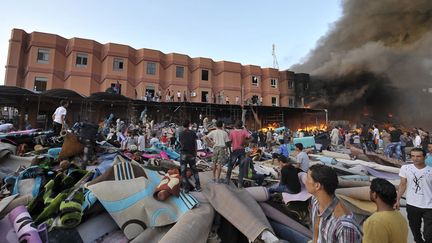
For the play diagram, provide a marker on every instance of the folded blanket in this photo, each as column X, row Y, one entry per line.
column 169, row 185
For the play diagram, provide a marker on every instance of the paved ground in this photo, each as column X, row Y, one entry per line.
column 410, row 236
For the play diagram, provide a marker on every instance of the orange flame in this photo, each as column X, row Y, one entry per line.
column 311, row 128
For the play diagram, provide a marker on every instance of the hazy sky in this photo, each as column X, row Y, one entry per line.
column 238, row 31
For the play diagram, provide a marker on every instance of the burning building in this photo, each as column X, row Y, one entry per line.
column 377, row 58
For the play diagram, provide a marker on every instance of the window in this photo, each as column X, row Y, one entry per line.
column 81, row 59
column 179, row 71
column 291, row 102
column 118, row 64
column 204, row 96
column 205, row 75
column 273, row 82
column 151, row 68
column 42, row 55
column 116, row 87
column 40, row 84
column 290, row 84
column 274, row 101
column 255, row 80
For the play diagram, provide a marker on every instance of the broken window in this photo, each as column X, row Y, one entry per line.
column 255, row 80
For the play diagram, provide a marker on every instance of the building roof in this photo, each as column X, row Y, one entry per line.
column 62, row 93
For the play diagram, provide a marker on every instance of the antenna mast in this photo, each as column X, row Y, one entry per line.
column 275, row 62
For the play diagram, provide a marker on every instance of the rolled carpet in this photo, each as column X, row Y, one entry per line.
column 71, row 211
column 24, row 226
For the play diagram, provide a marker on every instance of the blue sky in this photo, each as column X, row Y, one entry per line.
column 239, row 31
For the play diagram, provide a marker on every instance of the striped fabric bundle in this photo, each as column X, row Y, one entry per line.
column 126, row 191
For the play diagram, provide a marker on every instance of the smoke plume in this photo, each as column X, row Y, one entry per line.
column 377, row 57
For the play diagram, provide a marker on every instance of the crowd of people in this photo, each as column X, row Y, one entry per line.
column 331, row 220
column 177, row 96
column 390, row 140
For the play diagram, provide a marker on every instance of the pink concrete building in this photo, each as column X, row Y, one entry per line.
column 41, row 61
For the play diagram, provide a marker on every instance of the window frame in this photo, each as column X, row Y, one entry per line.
column 44, row 52
column 202, row 74
column 290, row 84
column 257, row 80
column 118, row 60
column 275, row 85
column 178, row 68
column 82, row 56
column 41, row 80
column 276, row 101
column 290, row 102
column 148, row 69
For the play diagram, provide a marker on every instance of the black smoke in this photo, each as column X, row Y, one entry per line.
column 377, row 59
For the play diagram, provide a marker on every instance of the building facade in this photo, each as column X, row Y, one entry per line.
column 40, row 61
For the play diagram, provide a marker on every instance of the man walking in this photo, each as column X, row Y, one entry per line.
column 188, row 152
column 59, row 117
column 386, row 225
column 331, row 220
column 416, row 180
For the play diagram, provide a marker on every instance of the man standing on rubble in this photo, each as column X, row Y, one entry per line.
column 239, row 138
column 188, row 153
column 59, row 117
column 334, row 136
column 386, row 225
column 416, row 180
column 331, row 220
column 394, row 146
column 218, row 139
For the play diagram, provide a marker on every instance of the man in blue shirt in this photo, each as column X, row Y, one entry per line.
column 428, row 160
column 283, row 148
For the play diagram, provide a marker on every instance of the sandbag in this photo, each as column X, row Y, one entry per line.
column 71, row 147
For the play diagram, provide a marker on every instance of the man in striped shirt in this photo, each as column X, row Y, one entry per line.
column 331, row 220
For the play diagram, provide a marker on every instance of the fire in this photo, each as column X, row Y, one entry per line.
column 311, row 128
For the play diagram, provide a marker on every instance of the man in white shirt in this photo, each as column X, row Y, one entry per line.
column 334, row 136
column 59, row 117
column 218, row 139
column 178, row 96
column 141, row 141
column 416, row 180
column 376, row 136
